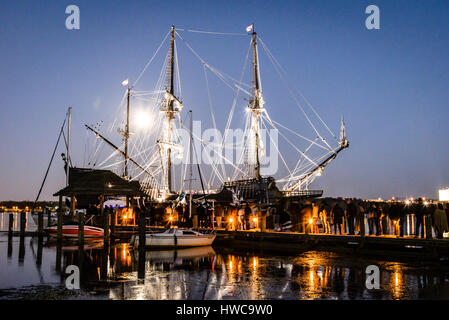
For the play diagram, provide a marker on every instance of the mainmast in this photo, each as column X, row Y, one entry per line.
column 256, row 105
column 170, row 110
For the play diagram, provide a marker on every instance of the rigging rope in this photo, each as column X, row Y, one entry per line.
column 49, row 165
column 151, row 60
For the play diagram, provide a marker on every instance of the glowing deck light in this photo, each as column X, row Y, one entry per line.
column 170, row 218
column 310, row 221
column 231, row 220
column 254, row 219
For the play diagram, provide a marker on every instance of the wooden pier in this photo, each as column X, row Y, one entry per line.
column 289, row 242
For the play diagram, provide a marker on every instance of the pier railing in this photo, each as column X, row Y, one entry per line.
column 303, row 193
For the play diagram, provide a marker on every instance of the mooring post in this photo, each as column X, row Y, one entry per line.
column 22, row 223
column 21, row 249
column 48, row 217
column 60, row 217
column 39, row 250
column 142, row 243
column 10, row 245
column 11, row 223
column 40, row 223
column 58, row 255
column 81, row 228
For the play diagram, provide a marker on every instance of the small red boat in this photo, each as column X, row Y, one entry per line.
column 71, row 231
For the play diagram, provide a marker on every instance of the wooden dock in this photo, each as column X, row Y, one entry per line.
column 289, row 242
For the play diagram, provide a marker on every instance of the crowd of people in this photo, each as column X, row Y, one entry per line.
column 326, row 216
column 338, row 216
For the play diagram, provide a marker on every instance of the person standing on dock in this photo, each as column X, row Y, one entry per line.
column 371, row 218
column 324, row 216
column 446, row 209
column 315, row 218
column 418, row 210
column 351, row 212
column 337, row 217
column 440, row 221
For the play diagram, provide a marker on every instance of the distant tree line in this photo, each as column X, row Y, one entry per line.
column 23, row 204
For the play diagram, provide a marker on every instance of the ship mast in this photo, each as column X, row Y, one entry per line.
column 256, row 105
column 169, row 109
column 126, row 134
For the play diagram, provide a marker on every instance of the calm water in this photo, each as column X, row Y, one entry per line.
column 31, row 269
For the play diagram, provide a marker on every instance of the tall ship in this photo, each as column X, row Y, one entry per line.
column 161, row 159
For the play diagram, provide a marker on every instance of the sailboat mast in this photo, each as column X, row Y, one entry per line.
column 69, row 129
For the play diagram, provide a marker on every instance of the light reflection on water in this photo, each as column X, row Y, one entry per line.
column 215, row 273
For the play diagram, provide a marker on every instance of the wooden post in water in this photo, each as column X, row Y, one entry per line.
column 39, row 250
column 48, row 217
column 72, row 206
column 142, row 242
column 11, row 223
column 22, row 223
column 60, row 217
column 40, row 223
column 81, row 228
column 142, row 226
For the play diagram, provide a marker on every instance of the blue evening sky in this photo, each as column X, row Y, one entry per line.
column 392, row 84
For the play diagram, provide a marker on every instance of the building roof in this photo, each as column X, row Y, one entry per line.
column 83, row 181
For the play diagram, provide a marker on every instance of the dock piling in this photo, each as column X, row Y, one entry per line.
column 60, row 217
column 40, row 223
column 81, row 228
column 11, row 223
column 48, row 217
column 142, row 242
column 22, row 223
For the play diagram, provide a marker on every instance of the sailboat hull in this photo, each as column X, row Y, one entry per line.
column 71, row 231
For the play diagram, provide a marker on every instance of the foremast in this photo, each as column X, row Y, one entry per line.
column 255, row 107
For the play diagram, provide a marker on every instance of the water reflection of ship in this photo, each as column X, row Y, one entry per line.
column 73, row 246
